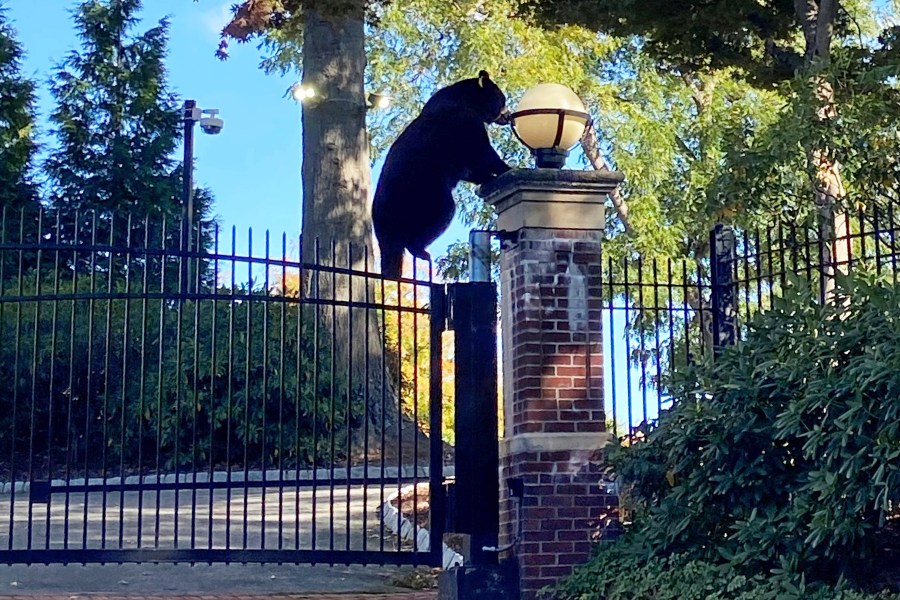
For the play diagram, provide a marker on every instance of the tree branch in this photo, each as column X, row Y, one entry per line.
column 807, row 12
column 695, row 93
column 590, row 145
column 825, row 28
column 687, row 149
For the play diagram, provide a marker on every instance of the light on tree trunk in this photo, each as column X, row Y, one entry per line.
column 303, row 93
column 378, row 101
column 549, row 119
column 309, row 95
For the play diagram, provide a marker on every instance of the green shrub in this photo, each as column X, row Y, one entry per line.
column 616, row 575
column 781, row 458
column 104, row 383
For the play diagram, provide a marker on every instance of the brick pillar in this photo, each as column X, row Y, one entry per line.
column 554, row 422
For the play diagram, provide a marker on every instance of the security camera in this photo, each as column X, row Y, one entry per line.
column 210, row 123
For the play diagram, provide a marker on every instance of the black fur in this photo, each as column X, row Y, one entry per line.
column 446, row 143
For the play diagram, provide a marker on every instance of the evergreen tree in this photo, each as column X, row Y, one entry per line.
column 117, row 124
column 17, row 145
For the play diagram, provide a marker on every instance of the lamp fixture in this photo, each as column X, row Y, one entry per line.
column 550, row 119
column 378, row 101
column 307, row 94
column 302, row 92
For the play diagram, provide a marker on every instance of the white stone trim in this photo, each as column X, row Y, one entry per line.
column 288, row 475
column 394, row 520
column 554, row 442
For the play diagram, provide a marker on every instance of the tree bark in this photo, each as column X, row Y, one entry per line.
column 336, row 220
column 817, row 22
column 336, row 177
column 590, row 145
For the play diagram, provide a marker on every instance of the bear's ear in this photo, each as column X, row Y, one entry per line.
column 482, row 75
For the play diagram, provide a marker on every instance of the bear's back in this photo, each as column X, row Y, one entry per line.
column 434, row 147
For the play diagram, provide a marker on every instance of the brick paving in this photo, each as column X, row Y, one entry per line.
column 430, row 595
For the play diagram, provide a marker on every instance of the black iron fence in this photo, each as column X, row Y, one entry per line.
column 662, row 314
column 231, row 402
column 217, row 404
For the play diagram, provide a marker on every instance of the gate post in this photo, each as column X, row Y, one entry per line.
column 552, row 222
column 473, row 319
column 724, row 300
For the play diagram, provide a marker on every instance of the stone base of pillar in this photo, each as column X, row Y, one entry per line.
column 482, row 582
column 561, row 507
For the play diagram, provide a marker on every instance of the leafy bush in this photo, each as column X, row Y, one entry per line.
column 127, row 383
column 781, row 457
column 616, row 575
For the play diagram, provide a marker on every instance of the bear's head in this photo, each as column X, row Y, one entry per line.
column 479, row 96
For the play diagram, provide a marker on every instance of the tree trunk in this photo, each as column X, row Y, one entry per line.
column 336, row 177
column 336, row 221
column 591, row 146
column 817, row 21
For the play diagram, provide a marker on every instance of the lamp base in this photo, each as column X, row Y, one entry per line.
column 550, row 158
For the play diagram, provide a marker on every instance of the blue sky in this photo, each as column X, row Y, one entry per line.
column 253, row 167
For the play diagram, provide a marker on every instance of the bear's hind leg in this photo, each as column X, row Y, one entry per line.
column 391, row 261
column 420, row 255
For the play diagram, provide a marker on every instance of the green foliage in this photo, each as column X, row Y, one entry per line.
column 17, row 144
column 862, row 137
column 17, row 113
column 616, row 575
column 783, row 455
column 407, row 337
column 670, row 133
column 105, row 374
column 115, row 121
column 762, row 38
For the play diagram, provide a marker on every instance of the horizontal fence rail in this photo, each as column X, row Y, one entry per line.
column 661, row 314
column 194, row 402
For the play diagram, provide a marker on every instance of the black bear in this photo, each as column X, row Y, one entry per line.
column 446, row 143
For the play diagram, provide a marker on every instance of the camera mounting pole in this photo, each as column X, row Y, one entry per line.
column 212, row 125
column 191, row 116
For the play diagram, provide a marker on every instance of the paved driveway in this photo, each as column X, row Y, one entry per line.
column 253, row 520
column 340, row 519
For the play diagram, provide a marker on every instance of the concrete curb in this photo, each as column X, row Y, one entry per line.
column 394, row 520
column 303, row 476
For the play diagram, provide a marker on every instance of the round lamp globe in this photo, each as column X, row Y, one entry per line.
column 550, row 115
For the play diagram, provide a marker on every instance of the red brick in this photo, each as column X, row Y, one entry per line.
column 567, row 398
column 556, row 547
column 545, row 535
column 574, row 394
column 556, row 572
column 556, row 501
column 573, row 489
column 557, row 382
column 529, row 525
column 590, row 426
column 574, row 535
column 539, row 559
column 577, row 512
column 582, row 548
column 559, row 427
column 591, row 499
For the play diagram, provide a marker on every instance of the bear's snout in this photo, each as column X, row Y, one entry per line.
column 503, row 118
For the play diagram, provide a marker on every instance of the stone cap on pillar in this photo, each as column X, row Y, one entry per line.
column 550, row 198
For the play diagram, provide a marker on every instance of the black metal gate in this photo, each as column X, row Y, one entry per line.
column 247, row 408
